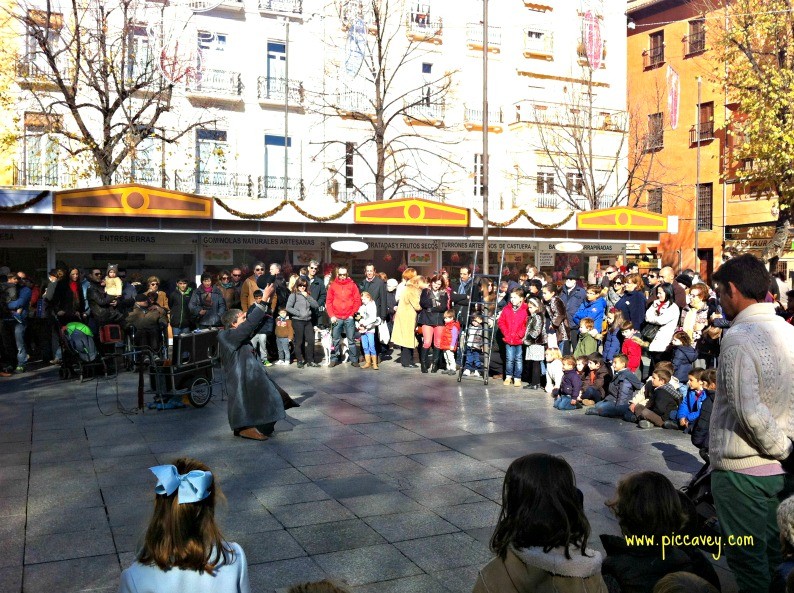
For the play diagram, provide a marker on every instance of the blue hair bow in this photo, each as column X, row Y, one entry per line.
column 193, row 486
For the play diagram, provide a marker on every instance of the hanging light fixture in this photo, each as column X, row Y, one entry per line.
column 569, row 247
column 349, row 246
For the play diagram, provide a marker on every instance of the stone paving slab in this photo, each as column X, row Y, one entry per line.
column 394, row 489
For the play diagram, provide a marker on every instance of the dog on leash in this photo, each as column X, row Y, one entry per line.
column 328, row 347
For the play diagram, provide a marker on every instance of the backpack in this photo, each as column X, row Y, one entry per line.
column 81, row 339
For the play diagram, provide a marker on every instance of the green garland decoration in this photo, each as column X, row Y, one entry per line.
column 279, row 207
column 25, row 205
column 526, row 215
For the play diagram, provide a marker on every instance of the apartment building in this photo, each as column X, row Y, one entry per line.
column 672, row 72
column 276, row 99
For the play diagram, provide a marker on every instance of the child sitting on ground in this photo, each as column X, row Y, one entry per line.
column 368, row 322
column 448, row 342
column 663, row 400
column 540, row 540
column 684, row 356
column 647, row 504
column 569, row 395
column 612, row 337
column 474, row 347
column 689, row 410
column 621, row 390
column 700, row 430
column 587, row 342
column 596, row 378
column 554, row 370
column 631, row 348
column 284, row 337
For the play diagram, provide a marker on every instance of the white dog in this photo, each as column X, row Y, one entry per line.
column 328, row 347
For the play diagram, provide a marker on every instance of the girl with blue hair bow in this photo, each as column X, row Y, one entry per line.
column 183, row 549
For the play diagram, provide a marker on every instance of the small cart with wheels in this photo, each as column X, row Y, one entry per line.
column 189, row 372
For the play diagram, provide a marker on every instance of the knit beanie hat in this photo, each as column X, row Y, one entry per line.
column 785, row 519
column 114, row 267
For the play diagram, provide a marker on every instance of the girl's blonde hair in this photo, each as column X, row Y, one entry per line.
column 366, row 294
column 555, row 353
column 409, row 273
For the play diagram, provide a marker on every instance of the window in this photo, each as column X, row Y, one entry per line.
column 538, row 41
column 211, row 151
column 704, row 206
column 655, row 54
column 276, row 69
column 213, row 48
column 39, row 27
column 140, row 59
column 574, row 183
column 545, row 182
column 350, row 152
column 705, row 125
column 696, row 40
column 41, row 149
column 427, row 68
column 478, row 175
column 144, row 157
column 655, row 138
column 655, row 200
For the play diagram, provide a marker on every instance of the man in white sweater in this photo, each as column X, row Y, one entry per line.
column 753, row 421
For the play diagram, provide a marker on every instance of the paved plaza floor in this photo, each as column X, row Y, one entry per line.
column 388, row 479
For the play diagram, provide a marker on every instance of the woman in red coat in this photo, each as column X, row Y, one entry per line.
column 513, row 324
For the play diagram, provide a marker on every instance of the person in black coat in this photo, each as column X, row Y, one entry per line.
column 376, row 287
column 434, row 300
column 256, row 403
column 318, row 291
column 700, row 432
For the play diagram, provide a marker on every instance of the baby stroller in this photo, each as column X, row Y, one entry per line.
column 79, row 352
column 699, row 505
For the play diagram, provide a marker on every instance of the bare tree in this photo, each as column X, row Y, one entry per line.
column 381, row 81
column 597, row 157
column 94, row 79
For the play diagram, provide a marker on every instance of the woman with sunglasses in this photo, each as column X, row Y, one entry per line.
column 156, row 296
column 225, row 284
column 301, row 306
column 615, row 291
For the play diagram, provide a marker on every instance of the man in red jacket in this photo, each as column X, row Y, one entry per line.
column 341, row 304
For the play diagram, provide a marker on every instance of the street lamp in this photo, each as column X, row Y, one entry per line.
column 484, row 162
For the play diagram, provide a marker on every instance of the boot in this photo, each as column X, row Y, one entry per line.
column 436, row 354
column 366, row 364
column 374, row 363
column 423, row 355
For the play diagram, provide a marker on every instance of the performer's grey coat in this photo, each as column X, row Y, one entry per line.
column 254, row 398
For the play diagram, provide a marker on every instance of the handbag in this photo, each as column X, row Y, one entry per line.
column 551, row 340
column 383, row 333
column 649, row 331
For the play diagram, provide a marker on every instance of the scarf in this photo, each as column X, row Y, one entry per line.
column 227, row 284
column 74, row 288
column 660, row 306
column 206, row 298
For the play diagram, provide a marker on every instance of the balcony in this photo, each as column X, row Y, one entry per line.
column 706, row 132
column 539, row 44
column 290, row 7
column 695, row 43
column 421, row 27
column 581, row 52
column 33, row 72
column 222, row 184
column 272, row 89
column 216, row 85
column 231, row 6
column 474, row 38
column 653, row 57
column 37, row 175
column 368, row 194
column 354, row 105
column 612, row 121
column 654, row 141
column 143, row 175
column 424, row 114
column 472, row 120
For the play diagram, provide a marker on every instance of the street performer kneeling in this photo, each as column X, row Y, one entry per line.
column 256, row 403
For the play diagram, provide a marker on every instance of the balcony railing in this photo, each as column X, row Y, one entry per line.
column 35, row 71
column 706, row 132
column 422, row 27
column 654, row 141
column 272, row 186
column 695, row 43
column 220, row 82
column 474, row 37
column 354, row 105
column 238, row 185
column 271, row 88
column 538, row 46
column 288, row 6
column 653, row 57
column 367, row 194
column 432, row 113
column 472, row 119
column 143, row 175
column 36, row 175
